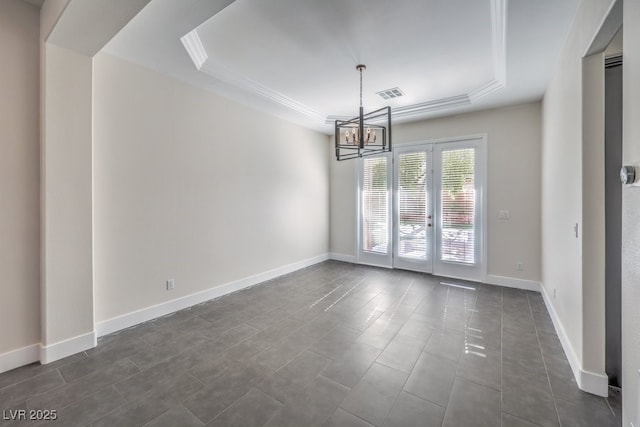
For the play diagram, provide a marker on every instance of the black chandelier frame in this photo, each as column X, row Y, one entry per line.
column 365, row 129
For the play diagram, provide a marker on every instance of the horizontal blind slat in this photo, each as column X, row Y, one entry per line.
column 412, row 205
column 458, row 228
column 375, row 203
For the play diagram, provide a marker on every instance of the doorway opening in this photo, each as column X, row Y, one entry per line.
column 613, row 211
column 422, row 208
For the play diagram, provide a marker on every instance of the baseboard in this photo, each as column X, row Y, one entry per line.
column 594, row 383
column 56, row 351
column 343, row 257
column 19, row 357
column 131, row 319
column 510, row 282
column 590, row 382
column 638, row 400
column 354, row 260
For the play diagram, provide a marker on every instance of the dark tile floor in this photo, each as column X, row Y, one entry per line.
column 331, row 345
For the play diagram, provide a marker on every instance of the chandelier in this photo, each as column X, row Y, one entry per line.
column 365, row 135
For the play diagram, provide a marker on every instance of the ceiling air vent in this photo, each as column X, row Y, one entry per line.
column 391, row 93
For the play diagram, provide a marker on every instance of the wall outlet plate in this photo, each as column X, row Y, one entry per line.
column 171, row 284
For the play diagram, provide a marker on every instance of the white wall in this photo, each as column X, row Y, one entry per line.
column 593, row 214
column 19, row 176
column 195, row 187
column 563, row 182
column 630, row 217
column 67, row 289
column 513, row 152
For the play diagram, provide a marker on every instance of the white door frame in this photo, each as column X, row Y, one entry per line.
column 479, row 274
column 425, row 266
column 452, row 269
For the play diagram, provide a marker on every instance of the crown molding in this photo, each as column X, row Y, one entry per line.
column 417, row 109
column 220, row 71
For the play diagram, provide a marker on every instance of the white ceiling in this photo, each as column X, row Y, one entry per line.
column 296, row 58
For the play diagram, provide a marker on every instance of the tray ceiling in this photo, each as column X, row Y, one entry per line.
column 296, row 59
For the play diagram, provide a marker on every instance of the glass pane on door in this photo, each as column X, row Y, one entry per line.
column 413, row 205
column 375, row 205
column 458, row 206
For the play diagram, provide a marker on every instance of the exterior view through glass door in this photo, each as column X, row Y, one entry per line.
column 413, row 219
column 459, row 182
column 374, row 207
column 434, row 222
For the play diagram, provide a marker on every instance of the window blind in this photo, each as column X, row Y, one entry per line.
column 375, row 205
column 458, row 215
column 413, row 205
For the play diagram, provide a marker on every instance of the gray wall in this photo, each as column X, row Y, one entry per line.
column 19, row 176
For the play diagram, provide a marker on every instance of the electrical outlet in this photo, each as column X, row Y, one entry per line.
column 520, row 266
column 503, row 214
column 554, row 293
column 171, row 284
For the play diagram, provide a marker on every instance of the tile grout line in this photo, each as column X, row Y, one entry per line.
column 358, row 417
column 609, row 406
column 375, row 361
column 425, row 399
column 535, row 326
column 446, row 409
column 414, row 363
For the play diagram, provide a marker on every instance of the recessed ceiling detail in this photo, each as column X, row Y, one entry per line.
column 222, row 72
column 294, row 59
column 223, row 49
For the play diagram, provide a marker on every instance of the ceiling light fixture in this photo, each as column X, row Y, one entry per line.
column 365, row 135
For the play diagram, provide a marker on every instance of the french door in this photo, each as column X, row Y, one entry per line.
column 413, row 222
column 375, row 213
column 422, row 210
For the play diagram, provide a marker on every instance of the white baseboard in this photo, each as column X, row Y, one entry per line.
column 343, row 257
column 354, row 260
column 594, row 383
column 590, row 382
column 19, row 357
column 510, row 282
column 56, row 351
column 638, row 404
column 130, row 319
